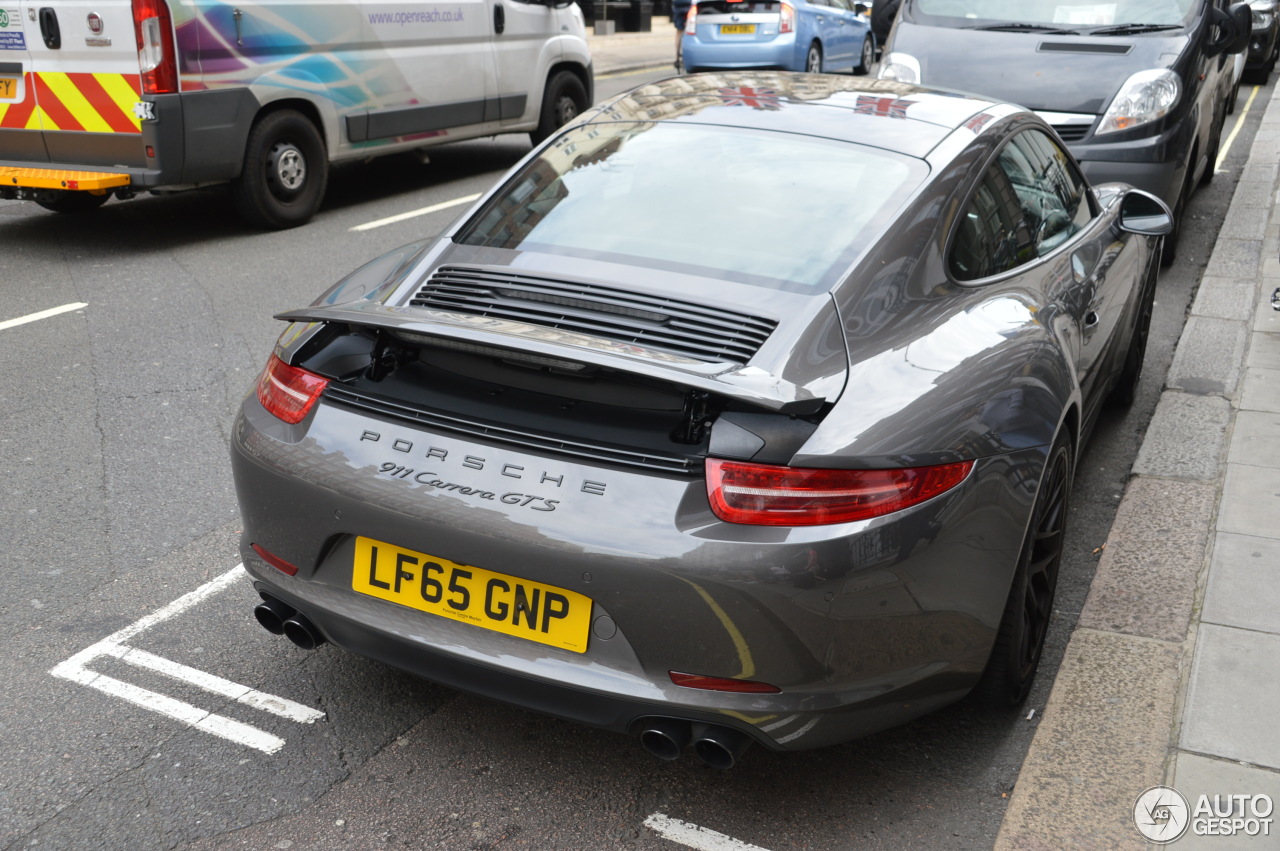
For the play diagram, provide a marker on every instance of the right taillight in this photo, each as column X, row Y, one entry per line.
column 766, row 495
column 691, row 22
column 289, row 392
column 153, row 29
column 786, row 18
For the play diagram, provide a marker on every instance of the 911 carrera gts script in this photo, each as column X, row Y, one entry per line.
column 428, row 478
column 437, row 455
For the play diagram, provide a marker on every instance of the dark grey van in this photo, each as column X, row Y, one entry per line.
column 1136, row 88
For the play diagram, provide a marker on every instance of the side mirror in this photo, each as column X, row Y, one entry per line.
column 1145, row 214
column 1233, row 29
column 862, row 9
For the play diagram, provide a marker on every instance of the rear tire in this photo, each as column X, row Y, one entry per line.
column 813, row 59
column 868, row 57
column 1011, row 670
column 563, row 100
column 75, row 202
column 286, row 169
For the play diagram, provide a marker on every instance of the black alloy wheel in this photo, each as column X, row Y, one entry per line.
column 1011, row 670
column 286, row 169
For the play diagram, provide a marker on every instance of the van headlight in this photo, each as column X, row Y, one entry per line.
column 1145, row 97
column 902, row 67
column 1263, row 10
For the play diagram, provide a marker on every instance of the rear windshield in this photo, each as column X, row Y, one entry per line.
column 755, row 206
column 1072, row 14
column 727, row 7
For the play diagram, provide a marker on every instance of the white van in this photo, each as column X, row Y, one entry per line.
column 118, row 97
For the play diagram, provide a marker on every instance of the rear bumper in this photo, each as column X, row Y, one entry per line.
column 190, row 139
column 780, row 52
column 863, row 626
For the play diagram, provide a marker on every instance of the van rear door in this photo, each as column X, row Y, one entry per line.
column 20, row 136
column 84, row 76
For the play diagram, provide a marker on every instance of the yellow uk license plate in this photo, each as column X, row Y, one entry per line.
column 8, row 88
column 483, row 598
column 737, row 29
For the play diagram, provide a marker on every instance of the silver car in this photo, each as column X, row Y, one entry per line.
column 745, row 409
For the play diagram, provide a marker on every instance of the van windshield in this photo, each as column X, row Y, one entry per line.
column 1035, row 15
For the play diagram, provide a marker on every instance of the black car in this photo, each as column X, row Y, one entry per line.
column 1138, row 90
column 1264, row 42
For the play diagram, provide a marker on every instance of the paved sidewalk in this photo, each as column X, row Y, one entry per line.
column 1172, row 676
column 623, row 52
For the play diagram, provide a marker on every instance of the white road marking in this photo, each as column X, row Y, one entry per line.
column 434, row 208
column 75, row 669
column 43, row 314
column 693, row 836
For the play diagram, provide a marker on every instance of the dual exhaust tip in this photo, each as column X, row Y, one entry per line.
column 279, row 618
column 666, row 738
column 718, row 747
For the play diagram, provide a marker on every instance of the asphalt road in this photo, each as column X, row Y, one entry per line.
column 129, row 721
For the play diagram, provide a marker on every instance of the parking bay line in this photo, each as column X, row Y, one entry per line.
column 43, row 314
column 75, row 669
column 694, row 836
column 400, row 217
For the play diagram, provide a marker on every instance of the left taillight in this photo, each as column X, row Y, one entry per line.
column 157, row 62
column 765, row 495
column 691, row 22
column 289, row 392
column 786, row 18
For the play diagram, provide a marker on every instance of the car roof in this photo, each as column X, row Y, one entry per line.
column 882, row 113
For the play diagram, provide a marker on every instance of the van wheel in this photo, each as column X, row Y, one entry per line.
column 868, row 57
column 75, row 202
column 564, row 100
column 1012, row 667
column 286, row 168
column 813, row 60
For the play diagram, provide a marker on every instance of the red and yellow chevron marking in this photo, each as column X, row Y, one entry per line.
column 97, row 103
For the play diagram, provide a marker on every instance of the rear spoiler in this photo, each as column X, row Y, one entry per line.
column 745, row 383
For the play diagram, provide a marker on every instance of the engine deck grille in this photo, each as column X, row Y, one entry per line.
column 684, row 328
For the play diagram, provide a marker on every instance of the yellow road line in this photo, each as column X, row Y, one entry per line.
column 1235, row 131
column 739, row 642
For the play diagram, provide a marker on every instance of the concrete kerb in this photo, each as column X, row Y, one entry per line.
column 1128, row 710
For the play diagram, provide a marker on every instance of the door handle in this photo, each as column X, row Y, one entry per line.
column 49, row 28
column 499, row 18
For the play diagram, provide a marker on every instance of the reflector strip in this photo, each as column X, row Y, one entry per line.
column 95, row 103
column 51, row 178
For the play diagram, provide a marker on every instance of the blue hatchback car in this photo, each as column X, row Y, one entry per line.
column 791, row 35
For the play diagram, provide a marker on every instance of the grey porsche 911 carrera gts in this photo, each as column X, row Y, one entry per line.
column 745, row 409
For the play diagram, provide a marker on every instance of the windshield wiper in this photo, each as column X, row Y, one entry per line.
column 1131, row 29
column 1024, row 28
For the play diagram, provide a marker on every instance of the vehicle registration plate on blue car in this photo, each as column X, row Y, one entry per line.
column 543, row 613
column 737, row 29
